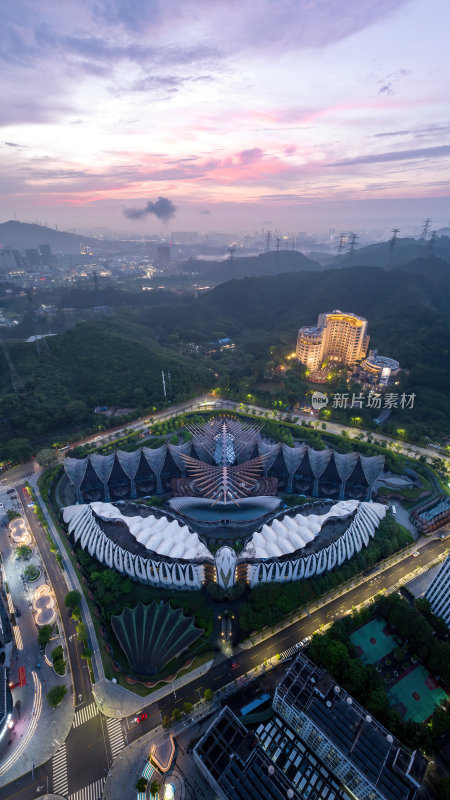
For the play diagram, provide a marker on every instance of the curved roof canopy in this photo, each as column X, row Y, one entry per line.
column 152, row 635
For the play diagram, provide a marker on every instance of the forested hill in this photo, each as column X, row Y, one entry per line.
column 23, row 234
column 282, row 303
column 264, row 264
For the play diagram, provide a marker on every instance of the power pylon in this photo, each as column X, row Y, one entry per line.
column 278, row 245
column 17, row 382
column 231, row 251
column 268, row 240
column 41, row 344
column 425, row 228
column 340, row 249
column 392, row 243
column 353, row 238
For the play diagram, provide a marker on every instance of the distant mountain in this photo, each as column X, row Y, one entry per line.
column 22, row 235
column 252, row 266
column 405, row 250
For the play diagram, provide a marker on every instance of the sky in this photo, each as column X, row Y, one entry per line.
column 300, row 115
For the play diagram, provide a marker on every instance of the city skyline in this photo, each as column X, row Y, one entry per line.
column 228, row 112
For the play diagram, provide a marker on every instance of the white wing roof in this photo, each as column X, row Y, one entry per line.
column 288, row 534
column 164, row 536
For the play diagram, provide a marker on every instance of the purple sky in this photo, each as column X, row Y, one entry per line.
column 301, row 114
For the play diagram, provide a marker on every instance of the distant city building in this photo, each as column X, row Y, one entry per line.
column 33, row 256
column 379, row 369
column 319, row 744
column 338, row 336
column 438, row 592
column 163, row 255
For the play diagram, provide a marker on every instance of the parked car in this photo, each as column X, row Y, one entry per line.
column 141, row 717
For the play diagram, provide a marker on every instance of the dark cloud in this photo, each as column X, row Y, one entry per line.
column 163, row 209
column 12, row 144
column 400, row 155
column 205, row 211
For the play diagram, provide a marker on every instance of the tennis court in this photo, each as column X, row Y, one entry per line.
column 416, row 695
column 372, row 643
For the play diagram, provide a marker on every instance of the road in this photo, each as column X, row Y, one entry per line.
column 208, row 401
column 79, row 668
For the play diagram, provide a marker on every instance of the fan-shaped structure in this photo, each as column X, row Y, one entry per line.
column 151, row 636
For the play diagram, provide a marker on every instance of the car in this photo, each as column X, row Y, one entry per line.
column 141, row 717
column 415, row 554
column 233, row 663
column 17, row 612
column 10, row 491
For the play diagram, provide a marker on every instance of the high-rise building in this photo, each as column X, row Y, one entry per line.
column 320, row 743
column 338, row 336
column 438, row 592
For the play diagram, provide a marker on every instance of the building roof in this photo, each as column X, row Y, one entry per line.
column 380, row 757
column 289, row 534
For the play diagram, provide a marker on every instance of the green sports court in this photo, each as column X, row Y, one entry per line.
column 372, row 643
column 416, row 695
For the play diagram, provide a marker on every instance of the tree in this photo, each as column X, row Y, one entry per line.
column 154, row 787
column 208, row 695
column 141, row 784
column 17, row 450
column 44, row 635
column 56, row 695
column 176, row 714
column 72, row 599
column 23, row 551
column 31, row 572
column 187, row 707
column 166, row 722
column 46, row 457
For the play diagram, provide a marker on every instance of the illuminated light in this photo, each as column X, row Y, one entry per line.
column 35, row 715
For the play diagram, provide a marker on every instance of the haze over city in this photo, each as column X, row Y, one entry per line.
column 296, row 115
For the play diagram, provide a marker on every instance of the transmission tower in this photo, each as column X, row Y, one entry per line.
column 268, row 240
column 278, row 245
column 17, row 382
column 353, row 238
column 41, row 344
column 425, row 228
column 231, row 251
column 392, row 243
column 340, row 249
column 98, row 294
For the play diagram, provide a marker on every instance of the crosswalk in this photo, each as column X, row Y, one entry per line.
column 13, row 484
column 92, row 792
column 59, row 768
column 148, row 771
column 290, row 652
column 84, row 714
column 115, row 734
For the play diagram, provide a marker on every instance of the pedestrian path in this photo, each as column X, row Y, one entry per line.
column 92, row 792
column 84, row 714
column 115, row 734
column 59, row 766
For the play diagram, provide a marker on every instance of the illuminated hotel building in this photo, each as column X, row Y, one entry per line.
column 338, row 337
